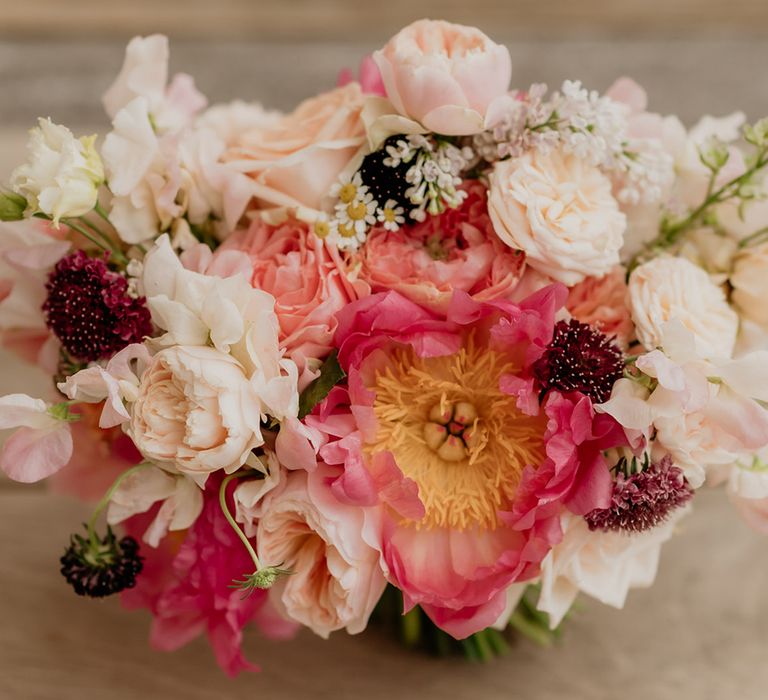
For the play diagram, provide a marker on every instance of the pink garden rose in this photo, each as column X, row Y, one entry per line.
column 294, row 160
column 308, row 280
column 457, row 250
column 444, row 75
column 185, row 584
column 602, row 302
column 441, row 427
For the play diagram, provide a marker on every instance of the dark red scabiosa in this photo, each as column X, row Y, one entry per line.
column 642, row 500
column 98, row 567
column 90, row 311
column 580, row 358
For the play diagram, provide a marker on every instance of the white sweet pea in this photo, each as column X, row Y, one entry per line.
column 63, row 174
column 42, row 443
column 182, row 501
column 604, row 565
column 114, row 384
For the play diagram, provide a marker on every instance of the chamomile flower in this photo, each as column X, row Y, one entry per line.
column 349, row 188
column 391, row 216
column 359, row 214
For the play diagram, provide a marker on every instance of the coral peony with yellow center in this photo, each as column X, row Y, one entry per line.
column 455, row 433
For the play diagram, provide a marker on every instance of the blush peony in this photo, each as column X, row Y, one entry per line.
column 441, row 426
column 457, row 250
column 559, row 210
column 444, row 75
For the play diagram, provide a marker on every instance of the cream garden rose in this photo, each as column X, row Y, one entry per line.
column 669, row 288
column 63, row 174
column 559, row 210
column 331, row 547
column 197, row 410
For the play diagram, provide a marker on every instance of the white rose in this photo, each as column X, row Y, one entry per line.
column 196, row 410
column 63, row 175
column 668, row 288
column 559, row 210
column 749, row 280
column 604, row 565
column 332, row 548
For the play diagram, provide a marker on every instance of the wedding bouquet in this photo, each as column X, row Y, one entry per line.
column 427, row 348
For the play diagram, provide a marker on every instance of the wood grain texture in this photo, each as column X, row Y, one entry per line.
column 345, row 19
column 698, row 634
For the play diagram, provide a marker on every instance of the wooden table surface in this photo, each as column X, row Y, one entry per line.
column 700, row 633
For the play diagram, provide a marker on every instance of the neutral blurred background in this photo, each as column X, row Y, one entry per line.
column 701, row 632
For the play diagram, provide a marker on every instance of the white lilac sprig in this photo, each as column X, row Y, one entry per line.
column 591, row 126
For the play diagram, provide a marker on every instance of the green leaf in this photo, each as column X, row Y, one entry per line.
column 331, row 374
column 12, row 206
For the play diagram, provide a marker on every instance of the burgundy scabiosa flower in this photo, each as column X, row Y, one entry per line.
column 98, row 567
column 580, row 358
column 89, row 309
column 642, row 500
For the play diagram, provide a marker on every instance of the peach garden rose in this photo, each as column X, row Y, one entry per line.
column 294, row 160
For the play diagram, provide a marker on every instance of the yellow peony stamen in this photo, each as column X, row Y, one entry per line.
column 463, row 441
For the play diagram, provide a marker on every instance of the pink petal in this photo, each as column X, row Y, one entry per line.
column 30, row 455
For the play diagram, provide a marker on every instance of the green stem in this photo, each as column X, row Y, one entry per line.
column 410, row 624
column 107, row 497
column 752, row 237
column 671, row 233
column 102, row 213
column 97, row 231
column 232, row 523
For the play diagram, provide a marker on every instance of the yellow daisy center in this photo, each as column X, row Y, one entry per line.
column 322, row 229
column 357, row 211
column 346, row 231
column 463, row 441
column 347, row 192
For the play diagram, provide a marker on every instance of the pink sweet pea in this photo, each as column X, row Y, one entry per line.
column 369, row 77
column 42, row 444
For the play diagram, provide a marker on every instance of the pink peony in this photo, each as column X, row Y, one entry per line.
column 444, row 75
column 187, row 590
column 602, row 302
column 441, row 426
column 309, row 281
column 457, row 250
